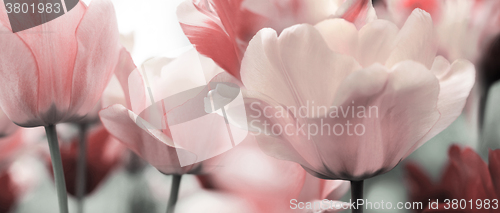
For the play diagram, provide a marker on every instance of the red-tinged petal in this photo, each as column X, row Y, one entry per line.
column 103, row 155
column 415, row 41
column 8, row 194
column 494, row 168
column 358, row 12
column 97, row 56
column 206, row 33
column 158, row 150
column 418, row 179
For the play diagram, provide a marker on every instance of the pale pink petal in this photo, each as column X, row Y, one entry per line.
column 123, row 69
column 456, row 82
column 345, row 42
column 97, row 56
column 415, row 41
column 123, row 125
column 375, row 42
column 405, row 100
column 18, row 68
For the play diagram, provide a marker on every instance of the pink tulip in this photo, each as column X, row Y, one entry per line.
column 143, row 127
column 57, row 71
column 397, row 92
column 221, row 29
column 267, row 183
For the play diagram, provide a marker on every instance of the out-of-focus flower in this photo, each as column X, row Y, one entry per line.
column 16, row 176
column 214, row 202
column 104, row 154
column 464, row 28
column 466, row 177
column 266, row 183
column 221, row 29
column 351, row 103
column 10, row 147
column 145, row 129
column 8, row 194
column 56, row 72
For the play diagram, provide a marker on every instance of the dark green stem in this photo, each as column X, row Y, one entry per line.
column 357, row 194
column 57, row 166
column 174, row 193
column 81, row 167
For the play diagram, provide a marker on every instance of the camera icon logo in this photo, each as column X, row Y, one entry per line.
column 204, row 116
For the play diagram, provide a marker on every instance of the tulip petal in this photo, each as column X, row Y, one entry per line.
column 121, row 123
column 206, row 33
column 375, row 41
column 456, row 82
column 494, row 167
column 123, row 69
column 97, row 56
column 18, row 68
column 415, row 41
column 291, row 69
column 401, row 101
column 345, row 42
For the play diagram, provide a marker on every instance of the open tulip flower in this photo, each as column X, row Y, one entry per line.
column 351, row 104
column 56, row 72
column 164, row 91
column 221, row 29
column 465, row 177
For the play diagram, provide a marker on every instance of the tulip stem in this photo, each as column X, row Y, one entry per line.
column 357, row 194
column 81, row 167
column 174, row 193
column 55, row 156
